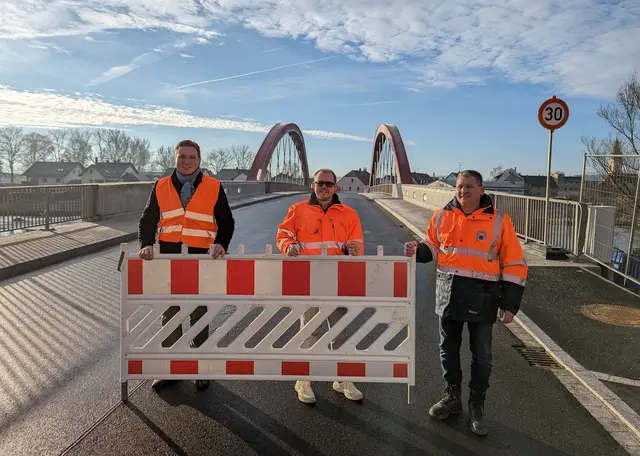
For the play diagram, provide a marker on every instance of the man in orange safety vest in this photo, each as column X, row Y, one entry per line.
column 481, row 271
column 322, row 220
column 187, row 207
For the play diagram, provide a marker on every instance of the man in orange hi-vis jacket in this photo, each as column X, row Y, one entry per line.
column 322, row 220
column 481, row 271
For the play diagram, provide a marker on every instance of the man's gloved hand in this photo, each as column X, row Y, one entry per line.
column 293, row 250
column 146, row 252
column 353, row 248
column 217, row 251
column 410, row 248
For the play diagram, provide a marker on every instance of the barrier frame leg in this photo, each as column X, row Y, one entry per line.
column 124, row 391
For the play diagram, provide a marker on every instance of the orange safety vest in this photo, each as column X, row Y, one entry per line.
column 312, row 228
column 482, row 245
column 195, row 226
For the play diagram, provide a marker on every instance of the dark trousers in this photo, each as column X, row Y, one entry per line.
column 480, row 337
column 177, row 333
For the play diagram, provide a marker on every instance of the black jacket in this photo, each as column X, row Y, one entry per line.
column 148, row 224
column 471, row 299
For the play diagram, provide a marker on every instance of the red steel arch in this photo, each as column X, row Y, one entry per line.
column 263, row 157
column 391, row 134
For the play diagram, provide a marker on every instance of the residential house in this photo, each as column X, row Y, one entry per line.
column 508, row 181
column 102, row 172
column 52, row 173
column 235, row 174
column 422, row 178
column 356, row 180
column 451, row 178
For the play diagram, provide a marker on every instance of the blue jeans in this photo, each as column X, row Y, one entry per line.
column 480, row 337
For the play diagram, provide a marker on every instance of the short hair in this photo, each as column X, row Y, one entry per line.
column 188, row 143
column 471, row 173
column 326, row 170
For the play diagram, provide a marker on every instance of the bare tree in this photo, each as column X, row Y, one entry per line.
column 112, row 144
column 495, row 172
column 58, row 139
column 79, row 147
column 11, row 145
column 139, row 153
column 242, row 156
column 624, row 115
column 37, row 147
column 164, row 158
column 218, row 159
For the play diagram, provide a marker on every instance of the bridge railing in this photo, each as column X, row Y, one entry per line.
column 43, row 205
column 567, row 219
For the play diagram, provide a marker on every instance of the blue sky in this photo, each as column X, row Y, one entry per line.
column 462, row 81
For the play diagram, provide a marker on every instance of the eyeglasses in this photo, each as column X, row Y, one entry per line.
column 324, row 184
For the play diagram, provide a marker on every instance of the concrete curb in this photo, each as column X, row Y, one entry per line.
column 616, row 405
column 59, row 257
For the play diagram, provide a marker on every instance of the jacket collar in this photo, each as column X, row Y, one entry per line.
column 313, row 201
column 486, row 205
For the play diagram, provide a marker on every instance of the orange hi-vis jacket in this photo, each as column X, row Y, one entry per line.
column 194, row 225
column 481, row 265
column 307, row 224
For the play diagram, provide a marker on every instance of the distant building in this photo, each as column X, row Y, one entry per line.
column 568, row 186
column 355, row 180
column 103, row 172
column 537, row 186
column 422, row 178
column 52, row 173
column 235, row 174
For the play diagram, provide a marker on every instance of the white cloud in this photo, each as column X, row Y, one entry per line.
column 51, row 110
column 186, row 56
column 583, row 47
column 48, row 46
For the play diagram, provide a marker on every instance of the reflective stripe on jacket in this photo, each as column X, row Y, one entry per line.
column 481, row 265
column 194, row 225
column 310, row 226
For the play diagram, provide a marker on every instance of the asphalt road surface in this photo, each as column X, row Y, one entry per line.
column 59, row 388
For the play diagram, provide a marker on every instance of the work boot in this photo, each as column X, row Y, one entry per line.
column 349, row 390
column 450, row 404
column 156, row 384
column 202, row 385
column 305, row 393
column 476, row 414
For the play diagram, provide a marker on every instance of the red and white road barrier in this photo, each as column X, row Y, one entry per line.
column 268, row 283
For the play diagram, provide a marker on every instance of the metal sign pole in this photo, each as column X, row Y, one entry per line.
column 546, row 199
column 552, row 114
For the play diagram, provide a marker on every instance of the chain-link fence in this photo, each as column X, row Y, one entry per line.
column 610, row 185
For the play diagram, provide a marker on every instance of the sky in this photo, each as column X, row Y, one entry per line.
column 462, row 79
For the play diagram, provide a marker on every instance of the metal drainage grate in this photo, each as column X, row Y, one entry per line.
column 537, row 357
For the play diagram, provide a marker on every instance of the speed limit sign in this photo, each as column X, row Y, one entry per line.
column 553, row 113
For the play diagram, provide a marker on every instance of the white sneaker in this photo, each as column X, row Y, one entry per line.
column 305, row 393
column 349, row 390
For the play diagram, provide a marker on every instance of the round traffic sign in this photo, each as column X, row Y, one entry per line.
column 553, row 113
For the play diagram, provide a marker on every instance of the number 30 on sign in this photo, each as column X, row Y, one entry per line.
column 553, row 113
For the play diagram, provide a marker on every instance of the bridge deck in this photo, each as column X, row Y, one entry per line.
column 61, row 378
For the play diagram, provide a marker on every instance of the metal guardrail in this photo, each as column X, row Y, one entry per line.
column 27, row 207
column 567, row 219
column 30, row 207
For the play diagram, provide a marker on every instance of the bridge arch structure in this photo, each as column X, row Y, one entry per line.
column 282, row 157
column 389, row 164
